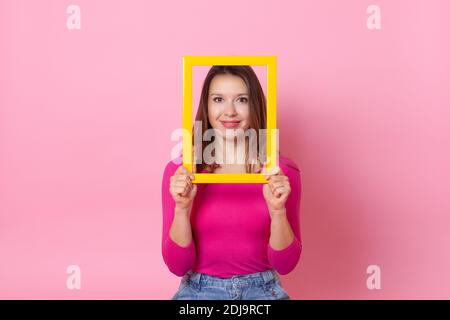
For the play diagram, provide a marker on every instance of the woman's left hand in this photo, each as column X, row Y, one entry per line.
column 276, row 191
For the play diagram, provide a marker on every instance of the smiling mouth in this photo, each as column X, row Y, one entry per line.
column 230, row 124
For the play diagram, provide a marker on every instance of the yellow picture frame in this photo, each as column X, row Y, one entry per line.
column 271, row 137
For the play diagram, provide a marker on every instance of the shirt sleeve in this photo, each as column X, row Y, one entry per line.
column 285, row 260
column 178, row 259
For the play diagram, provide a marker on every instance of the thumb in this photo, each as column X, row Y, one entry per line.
column 194, row 168
column 194, row 158
column 271, row 171
column 193, row 192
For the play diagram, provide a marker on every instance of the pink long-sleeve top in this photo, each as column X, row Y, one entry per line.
column 231, row 228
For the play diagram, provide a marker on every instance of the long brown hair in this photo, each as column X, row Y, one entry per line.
column 257, row 114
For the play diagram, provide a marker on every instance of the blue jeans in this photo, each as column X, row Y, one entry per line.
column 256, row 286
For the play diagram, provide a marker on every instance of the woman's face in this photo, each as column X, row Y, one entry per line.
column 228, row 103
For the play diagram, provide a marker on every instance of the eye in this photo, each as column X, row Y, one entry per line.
column 214, row 99
column 243, row 99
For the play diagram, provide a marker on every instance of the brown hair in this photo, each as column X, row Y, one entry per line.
column 257, row 105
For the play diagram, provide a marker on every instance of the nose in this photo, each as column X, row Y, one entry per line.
column 230, row 110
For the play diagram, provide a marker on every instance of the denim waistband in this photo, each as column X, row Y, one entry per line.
column 258, row 278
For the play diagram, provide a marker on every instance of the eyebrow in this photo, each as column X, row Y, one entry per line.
column 219, row 94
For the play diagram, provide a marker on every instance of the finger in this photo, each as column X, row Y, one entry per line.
column 278, row 192
column 271, row 172
column 182, row 191
column 189, row 188
column 284, row 190
column 180, row 170
column 189, row 184
column 284, row 196
column 180, row 167
column 182, row 180
column 178, row 191
column 278, row 178
column 186, row 192
column 279, row 175
column 183, row 171
column 182, row 184
column 182, row 177
column 272, row 187
column 188, row 173
column 277, row 184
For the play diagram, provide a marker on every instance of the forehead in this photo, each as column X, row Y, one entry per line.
column 227, row 84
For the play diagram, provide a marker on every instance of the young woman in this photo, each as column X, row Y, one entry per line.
column 230, row 241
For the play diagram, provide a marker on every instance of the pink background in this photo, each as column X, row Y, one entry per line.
column 86, row 117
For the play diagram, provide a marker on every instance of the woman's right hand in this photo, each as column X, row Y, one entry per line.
column 182, row 189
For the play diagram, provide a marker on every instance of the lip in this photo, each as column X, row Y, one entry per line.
column 230, row 124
